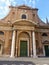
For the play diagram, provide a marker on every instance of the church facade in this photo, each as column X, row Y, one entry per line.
column 23, row 33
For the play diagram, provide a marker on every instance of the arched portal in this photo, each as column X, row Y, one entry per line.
column 46, row 48
column 23, row 44
column 1, row 47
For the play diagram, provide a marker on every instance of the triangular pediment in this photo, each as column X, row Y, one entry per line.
column 24, row 22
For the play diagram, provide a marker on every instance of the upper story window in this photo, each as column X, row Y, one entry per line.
column 44, row 34
column 1, row 33
column 23, row 16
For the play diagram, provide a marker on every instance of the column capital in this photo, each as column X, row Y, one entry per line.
column 33, row 31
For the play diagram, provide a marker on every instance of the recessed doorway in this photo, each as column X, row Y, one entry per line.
column 46, row 50
column 23, row 48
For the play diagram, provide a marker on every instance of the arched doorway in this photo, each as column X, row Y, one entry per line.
column 46, row 48
column 23, row 44
column 1, row 47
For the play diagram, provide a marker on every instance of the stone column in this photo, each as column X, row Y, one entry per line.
column 13, row 44
column 31, row 52
column 16, row 51
column 34, row 45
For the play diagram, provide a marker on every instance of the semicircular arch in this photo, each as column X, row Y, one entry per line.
column 24, row 35
column 22, row 20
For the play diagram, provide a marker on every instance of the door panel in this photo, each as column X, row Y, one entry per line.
column 47, row 50
column 23, row 48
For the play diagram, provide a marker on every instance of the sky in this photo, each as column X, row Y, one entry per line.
column 42, row 5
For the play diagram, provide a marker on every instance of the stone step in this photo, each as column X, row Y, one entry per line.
column 37, row 61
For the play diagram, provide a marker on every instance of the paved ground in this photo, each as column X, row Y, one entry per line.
column 15, row 63
column 23, row 61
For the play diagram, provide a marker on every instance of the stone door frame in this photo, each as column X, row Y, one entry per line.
column 24, row 39
column 44, row 53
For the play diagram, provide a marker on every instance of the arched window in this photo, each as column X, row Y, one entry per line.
column 44, row 34
column 23, row 16
column 1, row 33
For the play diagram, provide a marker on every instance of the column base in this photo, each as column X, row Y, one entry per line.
column 35, row 56
column 31, row 55
column 12, row 56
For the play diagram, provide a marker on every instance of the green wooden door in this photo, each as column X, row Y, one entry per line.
column 47, row 50
column 23, row 48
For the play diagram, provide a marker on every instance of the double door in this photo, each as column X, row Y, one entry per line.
column 23, row 48
column 46, row 50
